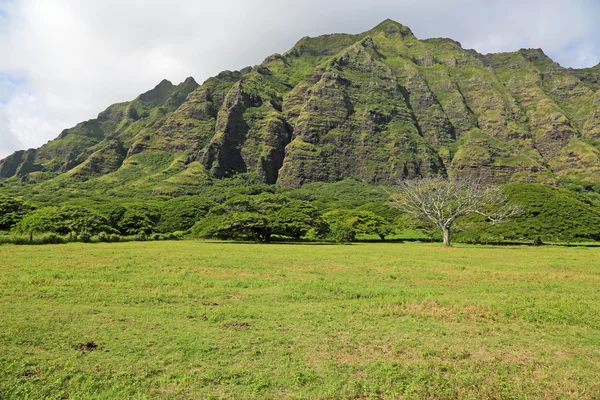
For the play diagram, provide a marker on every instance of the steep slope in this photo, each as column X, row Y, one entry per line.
column 356, row 121
column 589, row 76
column 377, row 106
column 119, row 122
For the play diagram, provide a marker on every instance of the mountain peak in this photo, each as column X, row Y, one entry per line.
column 159, row 93
column 164, row 83
column 534, row 55
column 391, row 27
column 190, row 80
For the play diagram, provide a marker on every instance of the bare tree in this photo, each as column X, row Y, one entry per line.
column 441, row 202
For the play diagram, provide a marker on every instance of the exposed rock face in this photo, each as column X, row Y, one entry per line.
column 377, row 106
column 251, row 133
column 354, row 123
column 223, row 155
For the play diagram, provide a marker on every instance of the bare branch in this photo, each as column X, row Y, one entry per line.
column 441, row 202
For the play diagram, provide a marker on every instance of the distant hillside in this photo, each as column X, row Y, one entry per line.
column 377, row 106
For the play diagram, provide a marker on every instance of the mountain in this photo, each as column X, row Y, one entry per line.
column 377, row 106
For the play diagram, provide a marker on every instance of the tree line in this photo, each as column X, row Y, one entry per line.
column 257, row 217
column 445, row 210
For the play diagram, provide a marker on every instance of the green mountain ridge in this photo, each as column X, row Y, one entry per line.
column 377, row 107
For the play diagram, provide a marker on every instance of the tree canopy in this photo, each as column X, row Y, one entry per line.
column 261, row 217
column 12, row 210
column 362, row 222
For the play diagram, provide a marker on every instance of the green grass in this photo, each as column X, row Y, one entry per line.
column 224, row 320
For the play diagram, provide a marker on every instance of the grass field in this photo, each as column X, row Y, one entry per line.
column 194, row 320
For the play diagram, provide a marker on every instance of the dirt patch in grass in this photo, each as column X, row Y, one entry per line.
column 236, row 325
column 30, row 373
column 87, row 346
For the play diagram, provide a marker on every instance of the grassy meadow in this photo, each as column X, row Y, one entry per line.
column 196, row 320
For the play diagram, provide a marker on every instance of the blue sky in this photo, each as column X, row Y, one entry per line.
column 64, row 61
column 9, row 84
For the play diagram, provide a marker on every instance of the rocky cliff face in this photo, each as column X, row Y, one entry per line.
column 377, row 106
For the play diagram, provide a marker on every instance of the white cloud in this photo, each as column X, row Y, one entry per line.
column 79, row 56
column 8, row 141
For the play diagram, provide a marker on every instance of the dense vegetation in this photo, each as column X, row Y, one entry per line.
column 243, row 208
column 196, row 320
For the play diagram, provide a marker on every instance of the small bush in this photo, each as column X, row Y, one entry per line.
column 85, row 237
column 51, row 238
column 141, row 237
column 169, row 236
column 315, row 235
column 20, row 240
column 108, row 238
column 342, row 233
column 178, row 235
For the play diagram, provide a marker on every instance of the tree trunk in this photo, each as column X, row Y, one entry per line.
column 267, row 238
column 264, row 237
column 446, row 231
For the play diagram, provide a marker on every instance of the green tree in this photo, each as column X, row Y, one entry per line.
column 341, row 232
column 181, row 213
column 78, row 220
column 43, row 220
column 236, row 225
column 392, row 215
column 260, row 217
column 295, row 218
column 63, row 221
column 112, row 212
column 365, row 222
column 549, row 213
column 12, row 210
column 138, row 219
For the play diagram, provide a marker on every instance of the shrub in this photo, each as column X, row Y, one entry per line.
column 85, row 237
column 51, row 238
column 313, row 235
column 178, row 235
column 141, row 237
column 342, row 233
column 365, row 222
column 169, row 236
column 20, row 240
column 103, row 237
column 108, row 238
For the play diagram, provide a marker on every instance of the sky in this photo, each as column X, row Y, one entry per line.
column 64, row 61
